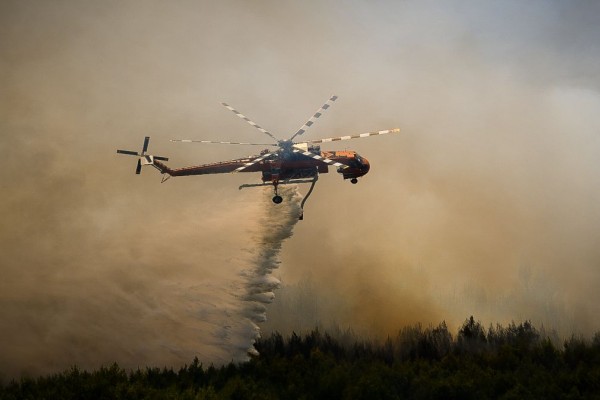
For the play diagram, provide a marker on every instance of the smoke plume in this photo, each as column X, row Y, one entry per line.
column 485, row 204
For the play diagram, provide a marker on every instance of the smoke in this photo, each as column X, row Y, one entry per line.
column 485, row 204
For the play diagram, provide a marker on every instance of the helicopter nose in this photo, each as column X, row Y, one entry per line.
column 365, row 166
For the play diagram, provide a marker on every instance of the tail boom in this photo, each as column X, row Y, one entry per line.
column 206, row 169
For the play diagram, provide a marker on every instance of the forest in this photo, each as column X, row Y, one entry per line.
column 518, row 361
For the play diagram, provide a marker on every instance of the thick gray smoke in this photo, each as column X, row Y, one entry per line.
column 485, row 204
column 137, row 313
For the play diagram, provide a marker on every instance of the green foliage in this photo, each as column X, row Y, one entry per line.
column 513, row 362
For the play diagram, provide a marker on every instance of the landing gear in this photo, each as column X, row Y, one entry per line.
column 277, row 198
column 354, row 181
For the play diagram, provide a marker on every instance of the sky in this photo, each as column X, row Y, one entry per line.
column 485, row 204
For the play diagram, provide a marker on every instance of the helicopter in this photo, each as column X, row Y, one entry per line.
column 290, row 162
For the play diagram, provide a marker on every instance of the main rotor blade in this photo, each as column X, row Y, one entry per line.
column 161, row 158
column 320, row 158
column 146, row 141
column 256, row 160
column 312, row 119
column 362, row 135
column 129, row 152
column 254, row 124
column 139, row 167
column 210, row 141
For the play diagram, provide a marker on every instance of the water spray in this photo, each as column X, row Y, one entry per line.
column 274, row 228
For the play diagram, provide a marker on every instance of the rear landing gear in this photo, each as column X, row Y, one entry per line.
column 277, row 198
column 354, row 181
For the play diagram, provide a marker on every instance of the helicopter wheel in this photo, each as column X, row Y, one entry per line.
column 354, row 181
column 277, row 199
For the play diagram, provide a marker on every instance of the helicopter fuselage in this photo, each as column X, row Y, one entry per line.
column 288, row 165
column 292, row 162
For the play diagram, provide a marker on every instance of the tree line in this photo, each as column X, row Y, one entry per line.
column 513, row 362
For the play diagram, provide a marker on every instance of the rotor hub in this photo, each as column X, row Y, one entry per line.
column 286, row 145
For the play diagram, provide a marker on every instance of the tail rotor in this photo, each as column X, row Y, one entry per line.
column 144, row 159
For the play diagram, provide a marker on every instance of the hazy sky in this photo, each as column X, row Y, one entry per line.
column 486, row 204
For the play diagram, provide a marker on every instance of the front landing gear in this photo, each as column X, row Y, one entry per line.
column 354, row 181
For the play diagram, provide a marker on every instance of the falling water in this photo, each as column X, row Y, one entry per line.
column 275, row 226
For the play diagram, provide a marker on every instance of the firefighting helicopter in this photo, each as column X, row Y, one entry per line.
column 291, row 162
